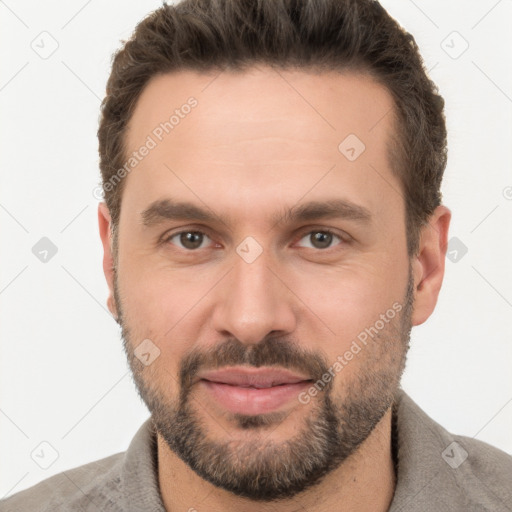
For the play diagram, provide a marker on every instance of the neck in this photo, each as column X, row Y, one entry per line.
column 364, row 482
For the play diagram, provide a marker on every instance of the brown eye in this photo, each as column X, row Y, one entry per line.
column 320, row 239
column 190, row 240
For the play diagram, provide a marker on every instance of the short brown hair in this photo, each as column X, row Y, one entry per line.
column 204, row 35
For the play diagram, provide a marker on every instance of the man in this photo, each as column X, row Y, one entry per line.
column 272, row 230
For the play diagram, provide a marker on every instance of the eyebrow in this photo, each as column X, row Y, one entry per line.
column 329, row 209
column 167, row 209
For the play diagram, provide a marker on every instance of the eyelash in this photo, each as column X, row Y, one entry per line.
column 343, row 239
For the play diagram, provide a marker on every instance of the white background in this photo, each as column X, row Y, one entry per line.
column 64, row 377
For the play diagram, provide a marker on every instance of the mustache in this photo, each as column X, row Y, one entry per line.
column 270, row 352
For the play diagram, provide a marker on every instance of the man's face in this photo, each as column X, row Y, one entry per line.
column 316, row 294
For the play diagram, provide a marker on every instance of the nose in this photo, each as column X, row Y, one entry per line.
column 254, row 302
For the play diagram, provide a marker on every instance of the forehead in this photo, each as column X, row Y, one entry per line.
column 263, row 101
column 226, row 134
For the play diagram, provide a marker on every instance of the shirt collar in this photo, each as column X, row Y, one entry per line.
column 140, row 489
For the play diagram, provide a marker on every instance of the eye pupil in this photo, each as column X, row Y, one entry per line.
column 321, row 239
column 191, row 239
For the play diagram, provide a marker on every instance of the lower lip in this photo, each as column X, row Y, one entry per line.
column 253, row 400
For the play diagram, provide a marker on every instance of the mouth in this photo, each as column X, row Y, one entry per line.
column 255, row 386
column 253, row 391
column 253, row 377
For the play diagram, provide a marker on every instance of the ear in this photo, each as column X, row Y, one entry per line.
column 428, row 264
column 105, row 226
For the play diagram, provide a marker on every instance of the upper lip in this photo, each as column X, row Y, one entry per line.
column 254, row 377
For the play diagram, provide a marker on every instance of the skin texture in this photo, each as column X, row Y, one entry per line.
column 257, row 144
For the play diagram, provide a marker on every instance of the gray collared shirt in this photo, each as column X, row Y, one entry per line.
column 436, row 471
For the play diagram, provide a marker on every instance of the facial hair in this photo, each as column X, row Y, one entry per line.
column 261, row 469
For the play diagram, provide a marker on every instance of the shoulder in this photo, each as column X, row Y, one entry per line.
column 88, row 487
column 485, row 471
column 445, row 471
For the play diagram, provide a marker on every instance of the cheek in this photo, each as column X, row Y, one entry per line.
column 363, row 315
column 347, row 300
column 158, row 310
column 157, row 304
column 161, row 303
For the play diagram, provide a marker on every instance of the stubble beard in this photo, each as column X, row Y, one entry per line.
column 261, row 469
